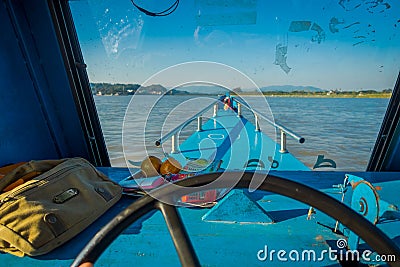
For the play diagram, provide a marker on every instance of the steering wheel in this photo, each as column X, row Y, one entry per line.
column 372, row 235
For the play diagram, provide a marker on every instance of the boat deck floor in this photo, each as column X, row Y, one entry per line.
column 147, row 241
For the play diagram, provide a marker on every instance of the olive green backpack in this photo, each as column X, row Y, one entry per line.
column 45, row 203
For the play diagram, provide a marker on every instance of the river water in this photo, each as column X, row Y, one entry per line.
column 341, row 129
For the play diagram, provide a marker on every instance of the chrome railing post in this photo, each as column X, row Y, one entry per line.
column 199, row 124
column 257, row 122
column 239, row 111
column 283, row 142
column 175, row 146
column 215, row 114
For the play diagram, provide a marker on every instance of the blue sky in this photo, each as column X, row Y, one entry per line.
column 341, row 44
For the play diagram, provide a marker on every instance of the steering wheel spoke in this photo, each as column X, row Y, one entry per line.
column 178, row 233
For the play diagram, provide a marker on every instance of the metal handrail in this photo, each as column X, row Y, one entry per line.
column 283, row 129
column 276, row 125
column 173, row 133
column 184, row 124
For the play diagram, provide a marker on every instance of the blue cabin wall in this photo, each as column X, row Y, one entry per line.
column 39, row 118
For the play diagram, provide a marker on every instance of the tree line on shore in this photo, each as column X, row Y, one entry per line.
column 157, row 89
column 131, row 89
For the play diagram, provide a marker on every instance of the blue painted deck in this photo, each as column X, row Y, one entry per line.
column 147, row 242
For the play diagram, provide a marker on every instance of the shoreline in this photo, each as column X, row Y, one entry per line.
column 387, row 96
column 334, row 96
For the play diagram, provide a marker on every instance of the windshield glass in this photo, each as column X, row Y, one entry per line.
column 326, row 70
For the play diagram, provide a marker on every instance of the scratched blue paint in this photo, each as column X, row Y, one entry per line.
column 247, row 212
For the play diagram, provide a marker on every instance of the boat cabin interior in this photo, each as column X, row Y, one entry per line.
column 291, row 212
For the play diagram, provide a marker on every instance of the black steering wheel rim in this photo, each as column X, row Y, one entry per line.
column 372, row 235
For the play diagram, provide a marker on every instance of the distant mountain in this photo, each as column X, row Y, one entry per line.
column 291, row 88
column 113, row 89
column 131, row 89
column 202, row 89
column 158, row 89
column 154, row 89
